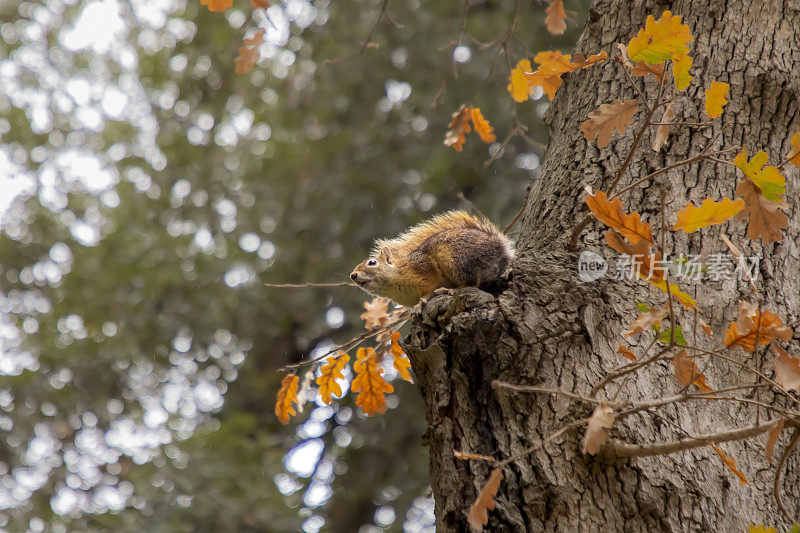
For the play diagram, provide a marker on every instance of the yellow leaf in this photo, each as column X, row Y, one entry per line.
column 794, row 154
column 248, row 54
column 716, row 98
column 482, row 126
column 556, row 17
column 761, row 529
column 553, row 64
column 608, row 117
column 479, row 510
column 685, row 300
column 610, row 213
column 691, row 218
column 401, row 362
column 768, row 179
column 217, row 5
column 680, row 71
column 369, row 383
column 660, row 40
column 730, row 463
column 329, row 373
column 519, row 88
column 286, row 396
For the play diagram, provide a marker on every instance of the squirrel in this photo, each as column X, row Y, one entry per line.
column 451, row 250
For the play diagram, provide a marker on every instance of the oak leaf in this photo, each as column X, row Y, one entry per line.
column 479, row 510
column 556, row 17
column 369, row 383
column 596, row 435
column 329, row 373
column 730, row 463
column 217, row 5
column 305, row 390
column 248, row 54
column 647, row 321
column 772, row 439
column 458, row 128
column 768, row 179
column 753, row 324
column 645, row 264
column 716, row 98
column 626, row 352
column 691, row 218
column 608, row 117
column 401, row 362
column 659, row 40
column 787, row 369
column 640, row 68
column 286, row 396
column 611, row 214
column 687, row 373
column 518, row 86
column 794, row 153
column 482, row 126
column 765, row 218
column 662, row 132
column 680, row 71
column 376, row 314
column 553, row 64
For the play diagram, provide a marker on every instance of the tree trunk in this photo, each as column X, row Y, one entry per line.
column 550, row 329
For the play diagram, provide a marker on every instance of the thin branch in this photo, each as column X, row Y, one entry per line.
column 552, row 436
column 301, row 285
column 779, row 469
column 367, row 42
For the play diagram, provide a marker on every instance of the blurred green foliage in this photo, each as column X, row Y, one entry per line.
column 156, row 192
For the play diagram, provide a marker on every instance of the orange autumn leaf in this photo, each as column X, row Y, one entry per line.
column 772, row 439
column 766, row 220
column 659, row 40
column 369, row 383
column 376, row 314
column 286, row 396
column 730, row 463
column 217, row 5
column 605, row 119
column 716, row 98
column 611, row 214
column 479, row 510
column 753, row 324
column 329, row 373
column 680, row 71
column 787, row 369
column 691, row 218
column 647, row 321
column 458, row 128
column 248, row 54
column 556, row 17
column 260, row 4
column 647, row 265
column 554, row 64
column 596, row 435
column 794, row 153
column 518, row 86
column 401, row 362
column 766, row 177
column 482, row 126
column 687, row 373
column 662, row 132
column 626, row 352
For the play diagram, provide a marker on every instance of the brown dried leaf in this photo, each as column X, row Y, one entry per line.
column 751, row 324
column 596, row 434
column 376, row 313
column 766, row 219
column 772, row 439
column 248, row 54
column 626, row 352
column 730, row 463
column 662, row 132
column 611, row 214
column 458, row 128
column 479, row 510
column 608, row 117
column 556, row 17
column 687, row 373
column 646, row 264
column 647, row 321
column 787, row 369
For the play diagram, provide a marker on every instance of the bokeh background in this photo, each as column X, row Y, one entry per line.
column 146, row 194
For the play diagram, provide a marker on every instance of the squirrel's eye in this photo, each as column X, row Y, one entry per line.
column 372, row 263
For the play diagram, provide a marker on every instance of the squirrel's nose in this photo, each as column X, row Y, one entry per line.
column 353, row 276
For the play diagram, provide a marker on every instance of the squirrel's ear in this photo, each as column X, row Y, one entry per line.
column 386, row 254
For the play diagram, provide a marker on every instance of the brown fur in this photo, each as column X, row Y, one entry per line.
column 450, row 250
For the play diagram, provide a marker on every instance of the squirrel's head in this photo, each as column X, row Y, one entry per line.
column 376, row 273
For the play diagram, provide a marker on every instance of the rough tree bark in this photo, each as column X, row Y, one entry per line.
column 548, row 328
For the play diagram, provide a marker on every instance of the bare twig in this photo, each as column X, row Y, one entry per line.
column 779, row 470
column 368, row 41
column 301, row 285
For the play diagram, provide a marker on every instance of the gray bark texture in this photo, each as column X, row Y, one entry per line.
column 548, row 328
